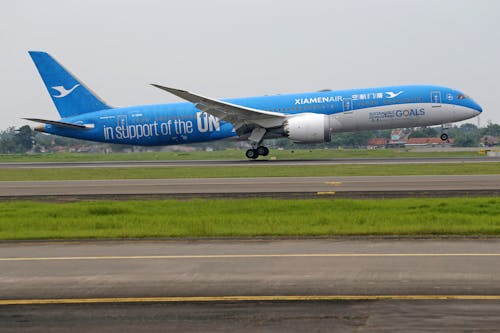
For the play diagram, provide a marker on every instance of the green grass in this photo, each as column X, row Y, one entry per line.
column 250, row 171
column 231, row 154
column 249, row 217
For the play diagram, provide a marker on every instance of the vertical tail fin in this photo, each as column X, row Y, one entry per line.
column 70, row 96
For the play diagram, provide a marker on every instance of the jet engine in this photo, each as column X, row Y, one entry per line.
column 308, row 128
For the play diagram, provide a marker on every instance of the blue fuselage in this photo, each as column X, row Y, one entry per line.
column 349, row 110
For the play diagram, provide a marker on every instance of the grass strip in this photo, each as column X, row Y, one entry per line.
column 250, row 171
column 231, row 154
column 249, row 217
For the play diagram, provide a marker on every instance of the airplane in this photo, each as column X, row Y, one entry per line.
column 311, row 117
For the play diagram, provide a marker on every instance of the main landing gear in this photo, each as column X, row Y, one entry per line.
column 259, row 151
column 256, row 138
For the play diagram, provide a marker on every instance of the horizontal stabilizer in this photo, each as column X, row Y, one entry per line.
column 60, row 123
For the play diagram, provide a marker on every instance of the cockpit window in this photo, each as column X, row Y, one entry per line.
column 462, row 96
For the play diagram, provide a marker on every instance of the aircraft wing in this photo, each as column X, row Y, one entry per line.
column 237, row 115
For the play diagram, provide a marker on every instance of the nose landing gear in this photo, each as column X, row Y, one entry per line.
column 444, row 136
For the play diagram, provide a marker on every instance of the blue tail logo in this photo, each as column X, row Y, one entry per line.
column 70, row 96
column 63, row 92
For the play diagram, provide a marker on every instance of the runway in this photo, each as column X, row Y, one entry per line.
column 366, row 285
column 45, row 270
column 260, row 162
column 375, row 186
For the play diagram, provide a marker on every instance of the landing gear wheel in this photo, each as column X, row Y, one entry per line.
column 263, row 151
column 444, row 136
column 252, row 153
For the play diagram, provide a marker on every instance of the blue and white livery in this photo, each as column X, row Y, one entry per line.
column 303, row 118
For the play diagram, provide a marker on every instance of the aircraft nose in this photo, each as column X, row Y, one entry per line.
column 477, row 107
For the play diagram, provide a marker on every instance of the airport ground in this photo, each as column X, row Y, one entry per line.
column 249, row 217
column 258, row 316
column 238, row 155
column 293, row 285
column 246, row 169
column 439, row 282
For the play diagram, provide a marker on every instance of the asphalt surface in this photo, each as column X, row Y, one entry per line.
column 133, row 271
column 245, row 267
column 344, row 316
column 206, row 163
column 381, row 185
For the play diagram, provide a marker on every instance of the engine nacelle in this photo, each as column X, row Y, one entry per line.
column 308, row 128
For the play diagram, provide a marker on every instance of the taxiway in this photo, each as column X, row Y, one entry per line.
column 249, row 267
column 251, row 285
column 368, row 186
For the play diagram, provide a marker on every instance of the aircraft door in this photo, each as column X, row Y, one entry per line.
column 436, row 98
column 121, row 121
column 347, row 104
column 346, row 119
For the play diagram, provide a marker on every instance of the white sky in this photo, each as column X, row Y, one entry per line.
column 230, row 48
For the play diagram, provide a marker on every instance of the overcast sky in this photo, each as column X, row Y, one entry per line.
column 230, row 48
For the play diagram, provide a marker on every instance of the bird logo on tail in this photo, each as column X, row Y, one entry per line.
column 63, row 91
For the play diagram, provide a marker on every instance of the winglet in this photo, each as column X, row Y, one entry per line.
column 184, row 94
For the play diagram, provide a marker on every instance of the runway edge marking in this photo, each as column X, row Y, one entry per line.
column 236, row 256
column 296, row 298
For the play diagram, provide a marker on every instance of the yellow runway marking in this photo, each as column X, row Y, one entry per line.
column 296, row 298
column 325, row 193
column 333, row 183
column 229, row 256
